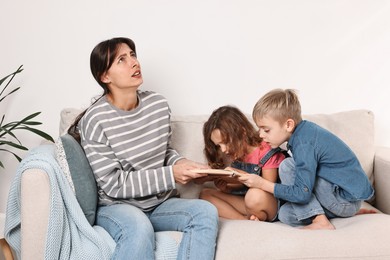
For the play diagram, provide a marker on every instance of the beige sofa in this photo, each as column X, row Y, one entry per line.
column 358, row 237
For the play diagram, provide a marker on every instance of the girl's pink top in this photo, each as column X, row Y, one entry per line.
column 255, row 156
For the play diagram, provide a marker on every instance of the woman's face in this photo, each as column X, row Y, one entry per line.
column 125, row 71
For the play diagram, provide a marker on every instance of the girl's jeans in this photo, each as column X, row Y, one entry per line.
column 325, row 199
column 133, row 230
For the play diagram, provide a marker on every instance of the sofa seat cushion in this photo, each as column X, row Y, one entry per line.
column 359, row 237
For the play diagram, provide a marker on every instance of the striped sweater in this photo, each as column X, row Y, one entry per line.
column 129, row 151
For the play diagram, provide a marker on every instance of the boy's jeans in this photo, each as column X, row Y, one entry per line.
column 133, row 230
column 325, row 199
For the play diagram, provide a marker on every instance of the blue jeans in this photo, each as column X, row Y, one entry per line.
column 133, row 230
column 325, row 199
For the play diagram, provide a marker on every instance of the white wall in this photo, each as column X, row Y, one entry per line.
column 200, row 55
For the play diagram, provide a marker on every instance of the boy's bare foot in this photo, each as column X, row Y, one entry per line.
column 366, row 211
column 320, row 222
column 254, row 218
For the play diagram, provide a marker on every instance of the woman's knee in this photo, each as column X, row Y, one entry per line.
column 205, row 208
column 130, row 228
column 122, row 221
column 204, row 212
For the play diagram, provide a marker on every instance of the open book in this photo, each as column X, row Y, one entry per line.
column 215, row 172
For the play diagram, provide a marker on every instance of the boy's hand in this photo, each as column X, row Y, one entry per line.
column 250, row 180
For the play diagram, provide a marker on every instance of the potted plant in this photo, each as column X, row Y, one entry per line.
column 8, row 139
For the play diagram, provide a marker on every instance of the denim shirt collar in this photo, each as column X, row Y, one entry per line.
column 296, row 131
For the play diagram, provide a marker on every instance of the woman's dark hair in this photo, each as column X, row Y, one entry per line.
column 236, row 131
column 101, row 59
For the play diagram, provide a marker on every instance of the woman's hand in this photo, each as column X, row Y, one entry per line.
column 196, row 165
column 182, row 170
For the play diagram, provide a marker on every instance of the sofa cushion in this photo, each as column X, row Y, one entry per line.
column 76, row 168
column 67, row 117
column 355, row 128
column 358, row 237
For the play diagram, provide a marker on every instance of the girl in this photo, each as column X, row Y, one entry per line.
column 126, row 137
column 230, row 139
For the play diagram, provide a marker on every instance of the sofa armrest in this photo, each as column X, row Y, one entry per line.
column 35, row 195
column 382, row 179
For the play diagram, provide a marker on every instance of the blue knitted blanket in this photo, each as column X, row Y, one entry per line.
column 69, row 235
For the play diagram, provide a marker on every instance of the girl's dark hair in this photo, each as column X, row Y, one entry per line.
column 101, row 59
column 237, row 132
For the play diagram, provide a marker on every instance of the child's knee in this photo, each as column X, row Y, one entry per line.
column 287, row 171
column 284, row 215
column 206, row 193
column 255, row 198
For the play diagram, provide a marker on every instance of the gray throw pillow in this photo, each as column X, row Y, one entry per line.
column 77, row 170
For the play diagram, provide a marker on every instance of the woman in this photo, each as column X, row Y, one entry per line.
column 126, row 137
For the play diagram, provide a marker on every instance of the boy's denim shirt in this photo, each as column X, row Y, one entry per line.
column 319, row 153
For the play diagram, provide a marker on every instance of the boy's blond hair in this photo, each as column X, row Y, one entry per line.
column 280, row 105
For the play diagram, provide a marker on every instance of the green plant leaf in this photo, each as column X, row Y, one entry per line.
column 4, row 131
column 38, row 132
column 18, row 146
column 12, row 75
column 14, row 90
column 29, row 117
column 14, row 154
column 8, row 138
column 16, row 124
column 32, row 123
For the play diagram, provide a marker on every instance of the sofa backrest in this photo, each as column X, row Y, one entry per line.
column 355, row 128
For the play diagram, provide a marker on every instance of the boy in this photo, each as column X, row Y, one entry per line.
column 323, row 179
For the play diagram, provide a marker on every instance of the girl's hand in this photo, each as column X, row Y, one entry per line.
column 222, row 185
